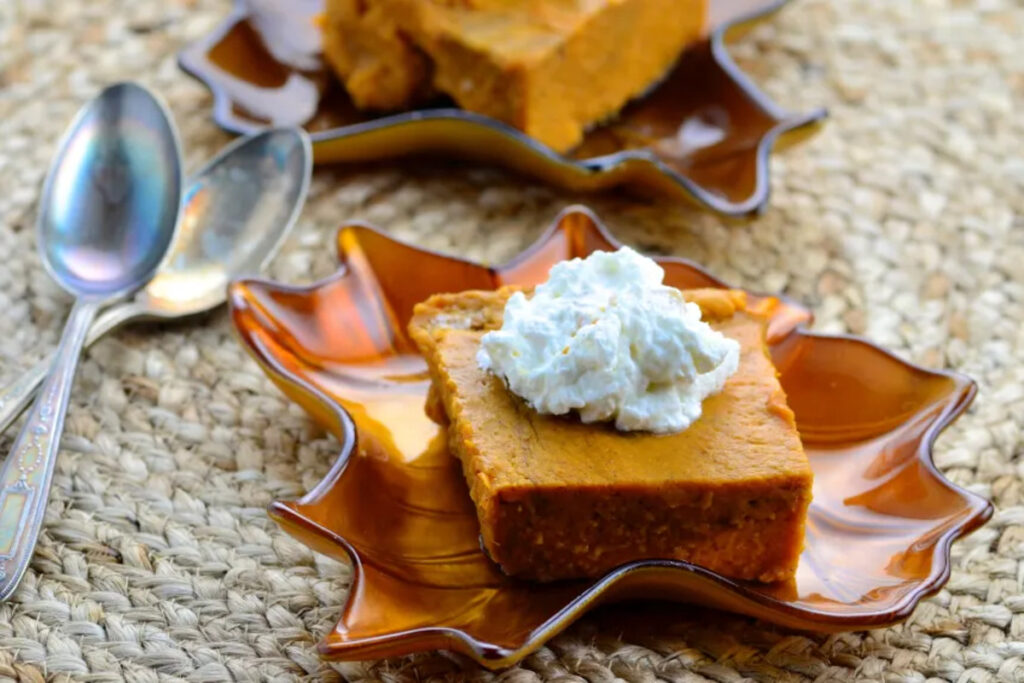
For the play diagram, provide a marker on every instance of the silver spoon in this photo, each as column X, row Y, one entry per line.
column 107, row 216
column 235, row 214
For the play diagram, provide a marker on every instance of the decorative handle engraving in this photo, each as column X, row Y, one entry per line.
column 26, row 474
column 15, row 397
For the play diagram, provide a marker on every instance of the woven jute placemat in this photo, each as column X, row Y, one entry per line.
column 903, row 221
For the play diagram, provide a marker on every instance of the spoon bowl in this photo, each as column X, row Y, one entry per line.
column 235, row 213
column 109, row 207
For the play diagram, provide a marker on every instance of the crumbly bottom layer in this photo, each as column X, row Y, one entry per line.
column 550, row 536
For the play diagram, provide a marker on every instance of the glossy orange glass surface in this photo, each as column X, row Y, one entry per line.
column 704, row 134
column 396, row 506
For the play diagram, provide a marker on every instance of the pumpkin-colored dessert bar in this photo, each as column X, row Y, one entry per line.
column 558, row 499
column 551, row 68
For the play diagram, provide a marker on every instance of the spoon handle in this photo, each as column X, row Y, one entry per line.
column 15, row 397
column 26, row 474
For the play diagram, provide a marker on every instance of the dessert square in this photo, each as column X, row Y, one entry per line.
column 560, row 499
column 548, row 67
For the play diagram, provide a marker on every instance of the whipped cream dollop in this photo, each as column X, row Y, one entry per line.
column 605, row 338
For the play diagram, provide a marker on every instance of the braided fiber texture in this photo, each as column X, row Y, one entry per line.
column 903, row 222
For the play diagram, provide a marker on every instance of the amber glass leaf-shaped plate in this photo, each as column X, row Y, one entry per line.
column 395, row 504
column 704, row 134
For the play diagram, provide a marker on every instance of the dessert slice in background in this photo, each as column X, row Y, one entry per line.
column 548, row 67
column 381, row 68
column 557, row 498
